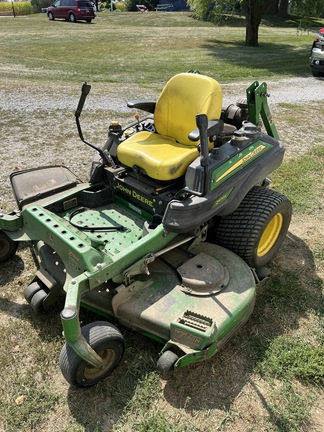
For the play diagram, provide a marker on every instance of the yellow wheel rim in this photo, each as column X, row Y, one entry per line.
column 108, row 356
column 270, row 235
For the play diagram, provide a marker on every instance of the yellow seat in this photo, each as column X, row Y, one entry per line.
column 166, row 154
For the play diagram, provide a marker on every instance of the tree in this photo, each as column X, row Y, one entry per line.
column 283, row 8
column 212, row 10
column 254, row 10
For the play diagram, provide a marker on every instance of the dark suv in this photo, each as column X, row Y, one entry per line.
column 71, row 10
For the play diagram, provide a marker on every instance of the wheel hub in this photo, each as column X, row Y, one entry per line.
column 203, row 275
column 270, row 235
column 108, row 356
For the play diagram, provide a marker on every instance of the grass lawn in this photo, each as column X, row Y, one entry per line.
column 269, row 377
column 145, row 49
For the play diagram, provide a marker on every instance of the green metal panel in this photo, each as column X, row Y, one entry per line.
column 258, row 106
column 238, row 162
column 11, row 222
column 158, row 304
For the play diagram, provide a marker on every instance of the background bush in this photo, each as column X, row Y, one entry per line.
column 21, row 8
column 120, row 6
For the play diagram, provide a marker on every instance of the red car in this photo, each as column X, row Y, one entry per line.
column 72, row 10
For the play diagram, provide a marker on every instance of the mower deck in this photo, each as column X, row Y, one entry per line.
column 175, row 305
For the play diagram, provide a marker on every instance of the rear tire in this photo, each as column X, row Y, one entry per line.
column 257, row 228
column 8, row 247
column 107, row 341
column 72, row 17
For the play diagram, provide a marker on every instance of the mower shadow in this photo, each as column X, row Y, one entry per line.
column 11, row 269
column 236, row 53
column 215, row 384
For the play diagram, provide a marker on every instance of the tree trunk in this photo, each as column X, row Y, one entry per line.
column 283, row 8
column 272, row 7
column 253, row 14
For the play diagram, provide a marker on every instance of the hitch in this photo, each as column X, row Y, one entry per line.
column 257, row 95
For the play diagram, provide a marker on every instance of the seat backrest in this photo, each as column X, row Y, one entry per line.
column 183, row 97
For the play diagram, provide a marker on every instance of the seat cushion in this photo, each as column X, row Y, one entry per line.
column 166, row 155
column 184, row 96
column 161, row 157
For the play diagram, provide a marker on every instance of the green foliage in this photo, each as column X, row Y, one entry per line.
column 307, row 9
column 212, row 10
column 120, row 6
column 37, row 5
column 21, row 8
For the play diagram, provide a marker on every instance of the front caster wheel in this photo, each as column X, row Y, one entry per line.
column 107, row 341
column 31, row 290
column 8, row 247
column 166, row 362
column 37, row 301
column 35, row 295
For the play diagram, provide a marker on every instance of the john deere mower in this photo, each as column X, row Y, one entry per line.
column 170, row 237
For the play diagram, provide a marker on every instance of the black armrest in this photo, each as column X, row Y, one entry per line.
column 215, row 127
column 145, row 105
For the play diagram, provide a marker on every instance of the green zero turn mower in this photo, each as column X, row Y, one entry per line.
column 170, row 237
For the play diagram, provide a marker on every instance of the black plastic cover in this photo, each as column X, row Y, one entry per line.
column 36, row 183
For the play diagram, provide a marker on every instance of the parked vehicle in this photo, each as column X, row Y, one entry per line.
column 317, row 54
column 71, row 10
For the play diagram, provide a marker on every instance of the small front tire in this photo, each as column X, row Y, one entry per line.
column 107, row 341
column 8, row 247
column 37, row 301
column 31, row 290
column 166, row 363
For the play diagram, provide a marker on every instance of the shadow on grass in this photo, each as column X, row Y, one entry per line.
column 267, row 59
column 11, row 269
column 294, row 290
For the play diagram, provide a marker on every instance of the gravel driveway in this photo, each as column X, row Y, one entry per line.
column 292, row 90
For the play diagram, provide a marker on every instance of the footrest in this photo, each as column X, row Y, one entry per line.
column 193, row 330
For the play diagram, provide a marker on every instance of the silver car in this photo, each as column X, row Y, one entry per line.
column 317, row 54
